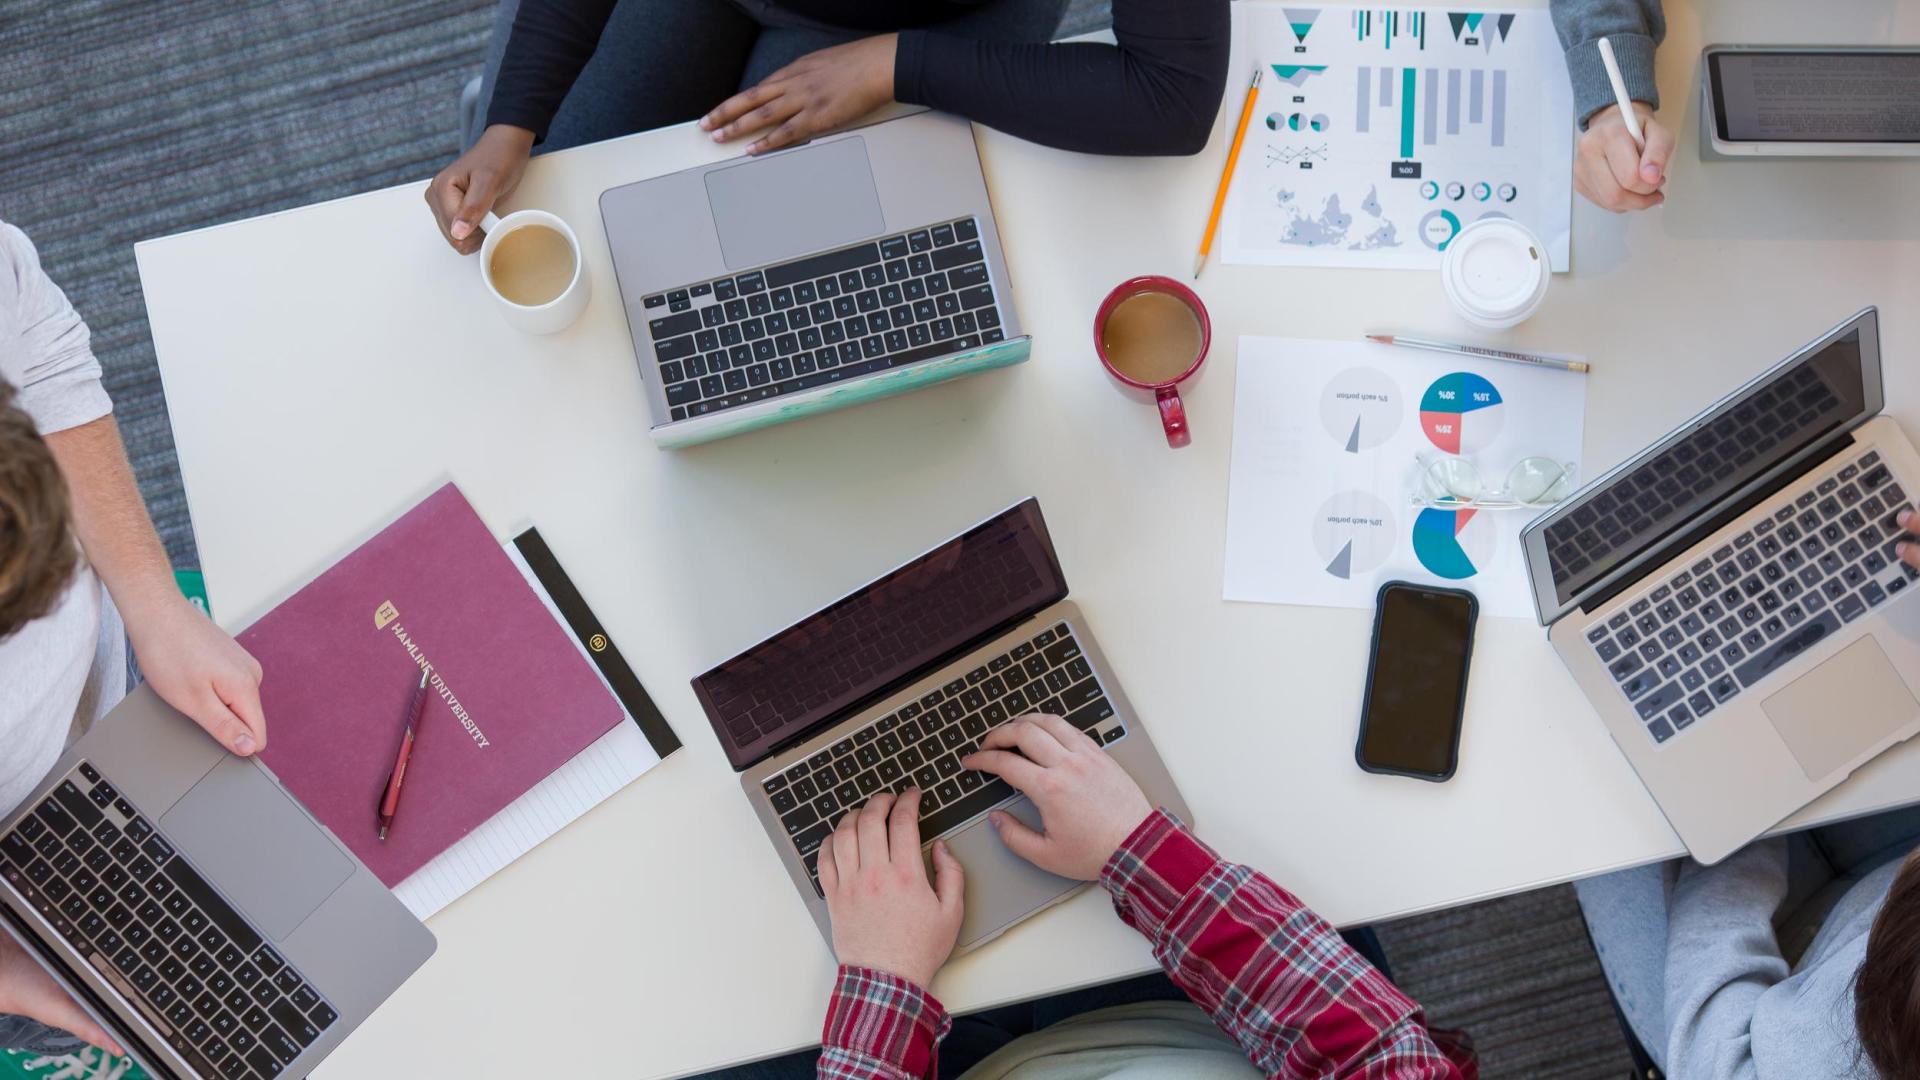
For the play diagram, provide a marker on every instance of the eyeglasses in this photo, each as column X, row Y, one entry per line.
column 1455, row 482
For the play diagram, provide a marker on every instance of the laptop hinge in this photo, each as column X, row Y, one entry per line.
column 1664, row 553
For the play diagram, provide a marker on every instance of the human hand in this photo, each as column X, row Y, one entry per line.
column 1908, row 549
column 1088, row 804
column 465, row 190
column 199, row 669
column 1611, row 171
column 818, row 92
column 27, row 990
column 885, row 915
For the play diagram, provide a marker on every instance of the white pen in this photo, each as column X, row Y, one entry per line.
column 1627, row 112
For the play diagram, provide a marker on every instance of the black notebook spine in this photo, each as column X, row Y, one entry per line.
column 598, row 643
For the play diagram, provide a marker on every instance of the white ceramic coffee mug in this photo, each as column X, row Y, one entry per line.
column 556, row 314
column 1495, row 273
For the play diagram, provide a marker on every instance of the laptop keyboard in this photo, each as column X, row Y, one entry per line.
column 151, row 925
column 922, row 743
column 825, row 318
column 1702, row 636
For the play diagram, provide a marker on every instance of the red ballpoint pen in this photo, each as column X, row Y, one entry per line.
column 390, row 802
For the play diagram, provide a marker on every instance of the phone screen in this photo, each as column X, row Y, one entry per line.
column 1419, row 680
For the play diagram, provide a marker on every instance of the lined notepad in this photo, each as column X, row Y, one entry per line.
column 610, row 763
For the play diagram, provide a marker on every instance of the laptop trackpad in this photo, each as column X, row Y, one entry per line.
column 1835, row 712
column 774, row 208
column 257, row 847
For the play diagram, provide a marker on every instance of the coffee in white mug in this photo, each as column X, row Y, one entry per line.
column 532, row 265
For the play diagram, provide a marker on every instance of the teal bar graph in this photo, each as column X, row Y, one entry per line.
column 1406, row 111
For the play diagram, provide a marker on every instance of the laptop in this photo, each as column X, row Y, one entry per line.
column 852, row 267
column 894, row 684
column 1814, row 101
column 1729, row 598
column 193, row 908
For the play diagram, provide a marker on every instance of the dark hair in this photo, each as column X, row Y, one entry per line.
column 38, row 555
column 1886, row 992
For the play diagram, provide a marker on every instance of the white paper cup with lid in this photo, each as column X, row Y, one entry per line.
column 1495, row 272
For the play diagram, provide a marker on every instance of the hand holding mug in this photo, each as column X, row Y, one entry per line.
column 465, row 191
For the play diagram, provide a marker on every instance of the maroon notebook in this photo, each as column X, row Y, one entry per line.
column 509, row 700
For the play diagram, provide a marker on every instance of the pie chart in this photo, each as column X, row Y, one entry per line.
column 1353, row 532
column 1360, row 408
column 1461, row 413
column 1454, row 544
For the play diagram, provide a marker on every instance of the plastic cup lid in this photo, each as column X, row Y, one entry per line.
column 1496, row 266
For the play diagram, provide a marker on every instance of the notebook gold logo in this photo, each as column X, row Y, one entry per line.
column 384, row 614
column 598, row 643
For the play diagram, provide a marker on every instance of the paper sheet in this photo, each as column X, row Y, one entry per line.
column 1380, row 133
column 1326, row 439
column 610, row 763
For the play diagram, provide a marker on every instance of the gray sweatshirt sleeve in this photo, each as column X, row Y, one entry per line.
column 1721, row 957
column 45, row 350
column 1634, row 27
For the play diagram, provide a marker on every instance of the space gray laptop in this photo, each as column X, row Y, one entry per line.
column 892, row 685
column 856, row 266
column 194, row 908
column 1729, row 598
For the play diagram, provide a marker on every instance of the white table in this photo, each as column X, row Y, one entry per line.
column 327, row 366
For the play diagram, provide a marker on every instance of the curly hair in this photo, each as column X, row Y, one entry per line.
column 38, row 555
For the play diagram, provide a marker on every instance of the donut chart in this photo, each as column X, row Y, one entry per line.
column 1461, row 413
column 1451, row 545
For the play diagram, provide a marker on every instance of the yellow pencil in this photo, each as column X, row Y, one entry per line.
column 1226, row 177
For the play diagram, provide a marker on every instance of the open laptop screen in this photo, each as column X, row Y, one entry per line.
column 884, row 634
column 1749, row 434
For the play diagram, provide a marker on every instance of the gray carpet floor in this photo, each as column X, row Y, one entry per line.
column 127, row 119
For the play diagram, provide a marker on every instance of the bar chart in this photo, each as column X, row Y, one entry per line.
column 1426, row 105
column 1380, row 144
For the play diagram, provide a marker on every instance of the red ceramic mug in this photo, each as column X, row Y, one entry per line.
column 1164, row 393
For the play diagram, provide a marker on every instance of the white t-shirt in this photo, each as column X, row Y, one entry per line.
column 56, row 675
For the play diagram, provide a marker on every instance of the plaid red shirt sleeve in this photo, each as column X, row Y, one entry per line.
column 1274, row 976
column 880, row 1027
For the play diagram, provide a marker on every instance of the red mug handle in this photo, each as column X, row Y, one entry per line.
column 1173, row 417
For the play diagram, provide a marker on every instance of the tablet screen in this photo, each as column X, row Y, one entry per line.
column 1813, row 97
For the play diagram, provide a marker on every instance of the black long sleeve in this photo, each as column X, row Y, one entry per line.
column 551, row 41
column 1156, row 92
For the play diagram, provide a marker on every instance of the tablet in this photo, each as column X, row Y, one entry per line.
column 1816, row 101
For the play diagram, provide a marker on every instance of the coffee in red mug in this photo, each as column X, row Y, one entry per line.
column 1152, row 333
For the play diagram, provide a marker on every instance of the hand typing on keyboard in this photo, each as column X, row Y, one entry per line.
column 1909, row 550
column 1088, row 804
column 820, row 91
column 885, row 914
column 27, row 990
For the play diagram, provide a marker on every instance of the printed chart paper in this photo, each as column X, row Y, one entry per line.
column 1380, row 133
column 1327, row 438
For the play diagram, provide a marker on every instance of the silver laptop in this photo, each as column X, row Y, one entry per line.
column 1729, row 599
column 194, row 908
column 894, row 684
column 1825, row 101
column 856, row 266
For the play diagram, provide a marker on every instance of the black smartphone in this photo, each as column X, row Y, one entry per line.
column 1416, row 681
